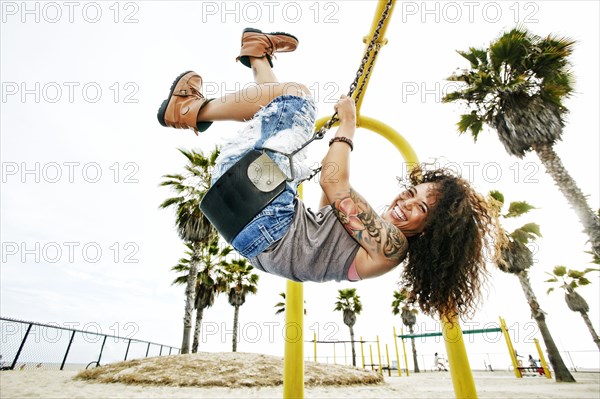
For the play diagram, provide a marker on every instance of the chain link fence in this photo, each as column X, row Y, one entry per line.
column 28, row 345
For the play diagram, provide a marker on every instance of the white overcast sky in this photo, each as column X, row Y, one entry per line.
column 82, row 154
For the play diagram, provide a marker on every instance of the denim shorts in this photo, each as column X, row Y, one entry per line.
column 284, row 124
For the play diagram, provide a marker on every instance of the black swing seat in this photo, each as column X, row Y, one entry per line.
column 242, row 192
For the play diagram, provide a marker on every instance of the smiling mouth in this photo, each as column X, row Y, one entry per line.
column 398, row 214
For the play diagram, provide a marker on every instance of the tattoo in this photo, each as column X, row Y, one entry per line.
column 396, row 244
column 366, row 226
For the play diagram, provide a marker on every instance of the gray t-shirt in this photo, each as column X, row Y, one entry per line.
column 316, row 248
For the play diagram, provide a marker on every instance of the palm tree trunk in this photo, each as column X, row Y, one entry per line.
column 414, row 349
column 190, row 291
column 561, row 372
column 352, row 344
column 199, row 315
column 588, row 323
column 567, row 185
column 236, row 313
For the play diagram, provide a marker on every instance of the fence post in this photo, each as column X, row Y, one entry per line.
column 14, row 363
column 160, row 353
column 315, row 346
column 62, row 365
column 127, row 351
column 101, row 350
column 148, row 349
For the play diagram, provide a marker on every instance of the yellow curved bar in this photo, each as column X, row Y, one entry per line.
column 384, row 130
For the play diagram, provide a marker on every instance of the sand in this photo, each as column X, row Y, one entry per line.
column 62, row 384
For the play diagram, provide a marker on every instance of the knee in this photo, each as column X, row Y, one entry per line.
column 296, row 89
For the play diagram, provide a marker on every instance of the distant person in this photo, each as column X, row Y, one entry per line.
column 519, row 361
column 439, row 363
column 533, row 365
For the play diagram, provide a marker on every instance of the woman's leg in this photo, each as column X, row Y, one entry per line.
column 242, row 106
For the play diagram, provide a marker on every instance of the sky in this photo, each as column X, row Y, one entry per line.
column 84, row 243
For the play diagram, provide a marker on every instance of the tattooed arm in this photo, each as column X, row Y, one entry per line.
column 383, row 246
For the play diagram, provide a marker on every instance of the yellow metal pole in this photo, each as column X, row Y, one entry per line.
column 371, row 352
column 315, row 346
column 381, row 5
column 542, row 359
column 379, row 356
column 460, row 370
column 399, row 366
column 404, row 350
column 511, row 350
column 387, row 356
column 293, row 367
column 362, row 352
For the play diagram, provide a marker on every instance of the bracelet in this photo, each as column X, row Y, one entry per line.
column 344, row 140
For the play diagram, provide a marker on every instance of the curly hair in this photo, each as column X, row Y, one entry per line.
column 446, row 265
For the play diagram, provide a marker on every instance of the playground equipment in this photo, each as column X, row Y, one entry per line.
column 379, row 365
column 520, row 369
column 293, row 369
column 293, row 381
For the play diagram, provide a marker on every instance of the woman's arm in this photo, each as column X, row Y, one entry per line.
column 383, row 246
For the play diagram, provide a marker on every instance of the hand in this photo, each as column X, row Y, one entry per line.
column 346, row 109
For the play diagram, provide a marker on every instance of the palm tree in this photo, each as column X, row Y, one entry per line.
column 516, row 258
column 409, row 317
column 349, row 303
column 517, row 87
column 569, row 280
column 280, row 306
column 192, row 226
column 209, row 282
column 242, row 282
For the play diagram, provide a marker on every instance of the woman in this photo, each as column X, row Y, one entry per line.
column 438, row 226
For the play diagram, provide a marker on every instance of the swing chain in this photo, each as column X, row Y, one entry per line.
column 359, row 73
column 373, row 43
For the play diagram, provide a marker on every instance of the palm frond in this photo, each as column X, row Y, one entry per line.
column 518, row 208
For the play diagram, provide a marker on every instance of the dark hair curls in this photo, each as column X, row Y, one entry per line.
column 446, row 264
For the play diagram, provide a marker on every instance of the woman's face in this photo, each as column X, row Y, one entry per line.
column 410, row 209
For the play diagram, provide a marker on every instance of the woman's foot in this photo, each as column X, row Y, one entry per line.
column 258, row 44
column 180, row 110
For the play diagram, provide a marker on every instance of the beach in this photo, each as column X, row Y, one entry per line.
column 499, row 384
